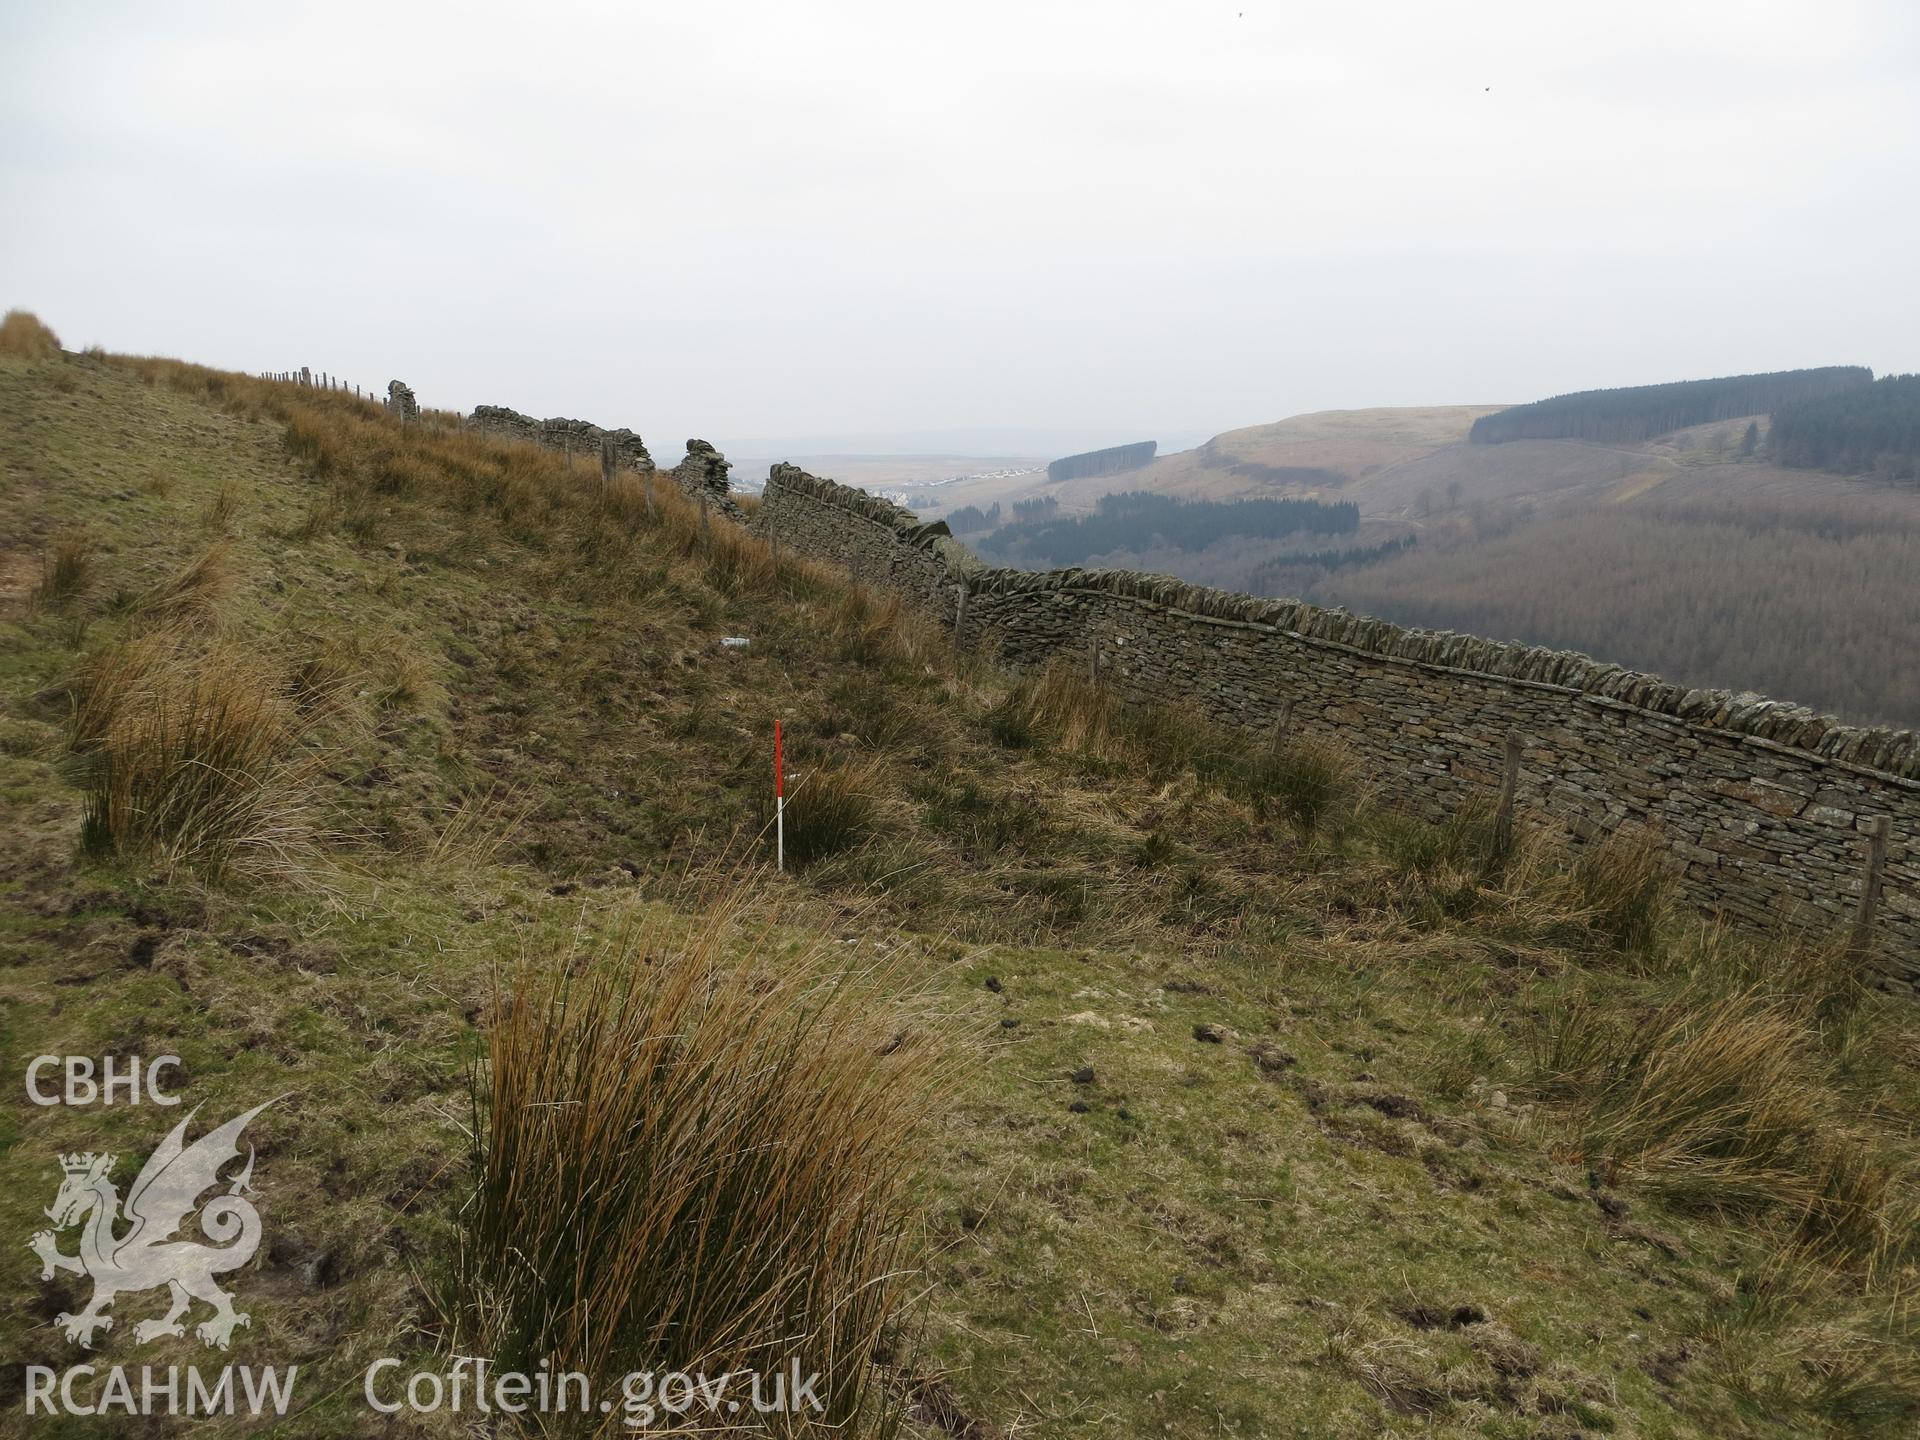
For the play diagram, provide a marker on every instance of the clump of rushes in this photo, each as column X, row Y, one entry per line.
column 1058, row 704
column 1305, row 781
column 1627, row 889
column 693, row 1152
column 830, row 809
column 66, row 570
column 218, row 515
column 187, row 600
column 1722, row 1101
column 190, row 762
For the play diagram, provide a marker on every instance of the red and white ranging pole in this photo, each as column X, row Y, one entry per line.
column 779, row 804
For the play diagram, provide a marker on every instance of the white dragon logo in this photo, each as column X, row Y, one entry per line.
column 164, row 1194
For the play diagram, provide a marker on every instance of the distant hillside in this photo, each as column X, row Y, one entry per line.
column 1324, row 448
column 1640, row 412
column 1862, row 428
column 1692, row 553
column 1302, row 455
column 1137, row 520
column 1110, row 461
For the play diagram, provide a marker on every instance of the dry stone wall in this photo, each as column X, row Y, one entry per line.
column 575, row 437
column 1765, row 809
column 702, row 475
column 400, row 399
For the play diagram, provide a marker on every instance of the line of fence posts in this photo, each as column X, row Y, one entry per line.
column 311, row 379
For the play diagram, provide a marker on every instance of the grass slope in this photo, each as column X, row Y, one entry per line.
column 1276, row 1115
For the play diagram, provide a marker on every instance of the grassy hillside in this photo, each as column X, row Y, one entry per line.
column 1121, row 1076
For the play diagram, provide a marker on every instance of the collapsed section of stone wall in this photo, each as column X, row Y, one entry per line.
column 703, row 475
column 573, row 437
column 400, row 400
column 1764, row 809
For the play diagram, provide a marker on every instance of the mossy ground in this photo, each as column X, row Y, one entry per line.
column 1246, row 1143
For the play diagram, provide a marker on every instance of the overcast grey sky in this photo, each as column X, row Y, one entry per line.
column 774, row 217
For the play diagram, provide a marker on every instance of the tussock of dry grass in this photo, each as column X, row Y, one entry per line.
column 217, row 516
column 830, row 809
column 1781, row 1347
column 23, row 334
column 479, row 828
column 1310, row 783
column 190, row 762
column 1307, row 783
column 1059, row 704
column 381, row 667
column 190, row 598
column 692, row 1153
column 1723, row 1101
column 1627, row 890
column 66, row 570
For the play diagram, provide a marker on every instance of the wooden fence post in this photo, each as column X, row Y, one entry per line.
column 1093, row 654
column 706, row 526
column 1509, row 783
column 1282, row 723
column 960, row 615
column 608, row 460
column 1877, row 831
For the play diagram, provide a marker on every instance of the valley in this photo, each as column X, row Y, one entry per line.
column 1680, row 554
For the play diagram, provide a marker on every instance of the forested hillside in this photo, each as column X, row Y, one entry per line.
column 1861, row 428
column 1136, row 520
column 1634, row 413
column 1110, row 461
column 1795, row 602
